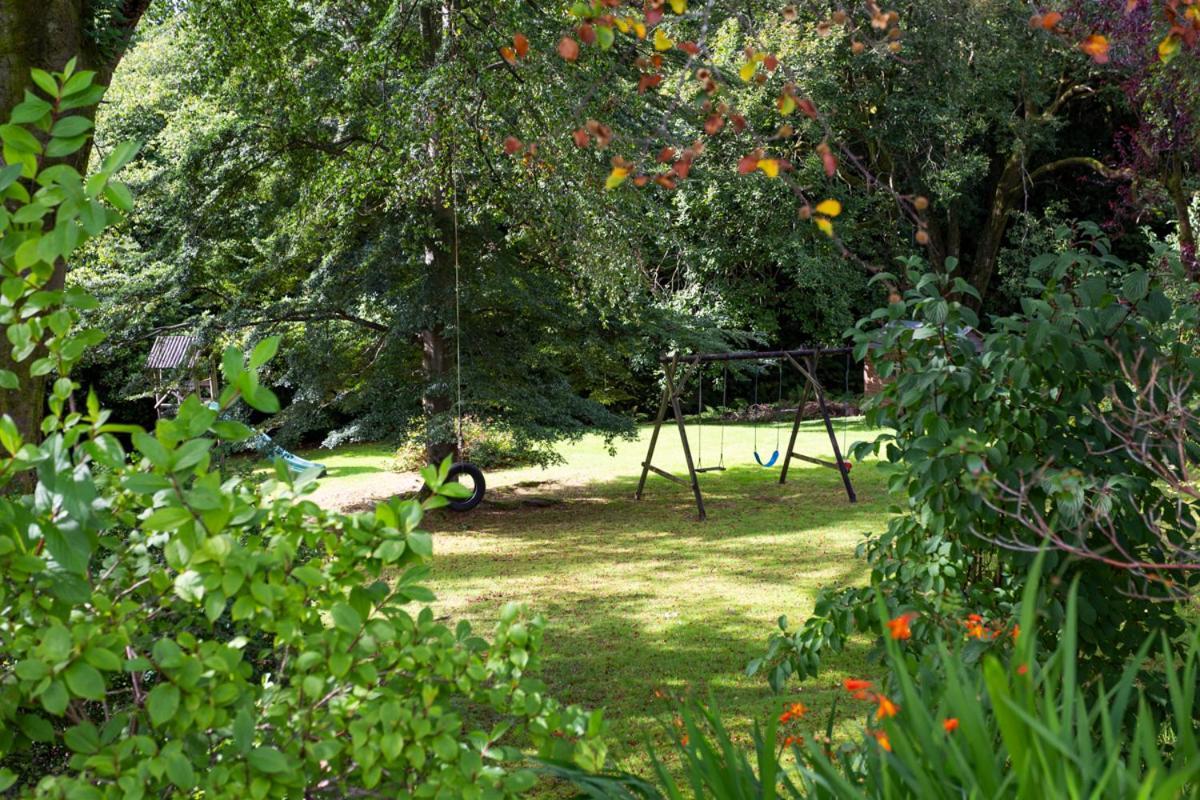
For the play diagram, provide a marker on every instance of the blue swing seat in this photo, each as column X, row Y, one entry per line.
column 770, row 461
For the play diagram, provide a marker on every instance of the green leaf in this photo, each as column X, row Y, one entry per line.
column 162, row 703
column 37, row 728
column 45, row 82
column 19, row 139
column 83, row 738
column 346, row 618
column 264, row 351
column 84, row 681
column 31, row 670
column 268, row 760
column 70, row 127
column 88, row 97
column 8, row 380
column 65, row 147
column 78, row 82
column 119, row 195
column 8, row 175
column 33, row 109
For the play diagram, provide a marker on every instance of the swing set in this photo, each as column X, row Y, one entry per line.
column 679, row 369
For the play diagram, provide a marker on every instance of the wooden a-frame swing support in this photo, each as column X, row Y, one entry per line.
column 678, row 369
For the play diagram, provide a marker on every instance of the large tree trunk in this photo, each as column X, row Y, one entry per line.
column 46, row 34
column 991, row 237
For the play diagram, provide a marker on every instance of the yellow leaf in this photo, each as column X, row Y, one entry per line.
column 769, row 166
column 830, row 208
column 747, row 71
column 679, row 6
column 616, row 177
column 787, row 104
column 1168, row 48
column 640, row 30
column 661, row 41
column 622, row 24
column 825, row 225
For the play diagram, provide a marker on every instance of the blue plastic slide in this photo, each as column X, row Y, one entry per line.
column 265, row 445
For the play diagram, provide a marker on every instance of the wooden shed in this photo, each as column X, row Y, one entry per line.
column 179, row 370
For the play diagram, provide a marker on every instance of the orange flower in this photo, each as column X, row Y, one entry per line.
column 886, row 707
column 797, row 741
column 882, row 738
column 683, row 740
column 1016, row 631
column 975, row 627
column 857, row 687
column 1096, row 46
column 950, row 724
column 899, row 626
column 1023, row 669
column 794, row 711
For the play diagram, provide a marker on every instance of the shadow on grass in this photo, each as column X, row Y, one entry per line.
column 348, row 471
column 751, row 517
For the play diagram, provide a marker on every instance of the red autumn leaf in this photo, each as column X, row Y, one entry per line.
column 640, row 180
column 691, row 48
column 512, row 145
column 828, row 159
column 739, row 122
column 653, row 17
column 770, row 63
column 747, row 164
column 648, row 82
column 665, row 181
column 807, row 108
column 1051, row 19
column 666, row 154
column 521, row 45
column 713, row 124
column 681, row 168
column 656, row 61
column 581, row 138
column 587, row 34
column 568, row 48
column 508, row 55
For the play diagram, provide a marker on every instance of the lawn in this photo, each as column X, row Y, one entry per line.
column 639, row 595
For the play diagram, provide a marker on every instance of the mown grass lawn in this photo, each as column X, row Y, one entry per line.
column 639, row 596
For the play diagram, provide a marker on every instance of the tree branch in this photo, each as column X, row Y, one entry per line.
column 1112, row 173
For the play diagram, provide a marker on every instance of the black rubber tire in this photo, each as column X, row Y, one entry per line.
column 467, row 503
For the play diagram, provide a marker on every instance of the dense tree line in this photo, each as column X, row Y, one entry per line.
column 329, row 171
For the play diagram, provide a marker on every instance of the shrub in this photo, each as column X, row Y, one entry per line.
column 1016, row 723
column 486, row 444
column 1069, row 426
column 166, row 630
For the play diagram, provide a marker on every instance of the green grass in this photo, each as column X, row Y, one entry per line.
column 639, row 595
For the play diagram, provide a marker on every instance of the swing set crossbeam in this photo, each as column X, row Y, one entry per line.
column 676, row 374
column 753, row 355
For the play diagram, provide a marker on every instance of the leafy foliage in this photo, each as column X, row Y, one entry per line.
column 995, row 431
column 168, row 630
column 1019, row 723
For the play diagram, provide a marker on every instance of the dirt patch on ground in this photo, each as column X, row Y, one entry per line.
column 354, row 498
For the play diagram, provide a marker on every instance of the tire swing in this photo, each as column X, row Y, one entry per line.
column 461, row 467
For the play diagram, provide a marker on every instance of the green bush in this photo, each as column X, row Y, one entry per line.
column 1017, row 723
column 485, row 444
column 1069, row 425
column 169, row 631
